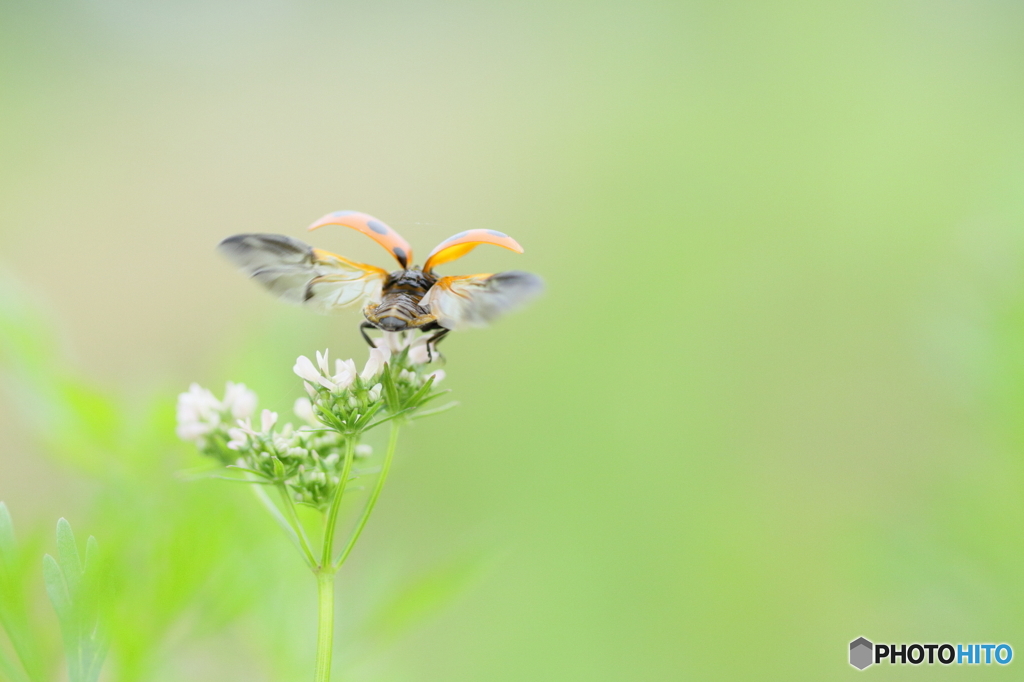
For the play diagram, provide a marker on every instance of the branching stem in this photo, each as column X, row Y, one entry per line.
column 293, row 519
column 332, row 514
column 381, row 478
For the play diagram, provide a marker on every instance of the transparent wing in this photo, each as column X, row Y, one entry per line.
column 476, row 300
column 297, row 273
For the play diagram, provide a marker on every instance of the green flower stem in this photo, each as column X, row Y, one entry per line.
column 275, row 511
column 332, row 514
column 325, row 574
column 293, row 520
column 325, row 626
column 388, row 456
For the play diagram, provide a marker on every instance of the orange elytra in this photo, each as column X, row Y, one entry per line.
column 462, row 243
column 372, row 228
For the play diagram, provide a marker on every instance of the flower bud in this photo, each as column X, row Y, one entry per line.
column 345, row 373
column 418, row 351
column 239, row 400
column 378, row 358
column 303, row 409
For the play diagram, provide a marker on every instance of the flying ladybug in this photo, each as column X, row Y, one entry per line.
column 405, row 299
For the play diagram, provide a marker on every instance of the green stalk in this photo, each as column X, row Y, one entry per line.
column 293, row 520
column 325, row 625
column 325, row 574
column 332, row 514
column 326, row 570
column 392, row 442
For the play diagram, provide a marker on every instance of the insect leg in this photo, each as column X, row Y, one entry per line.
column 433, row 341
column 362, row 330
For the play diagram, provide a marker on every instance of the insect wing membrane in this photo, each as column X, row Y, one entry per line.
column 476, row 300
column 297, row 273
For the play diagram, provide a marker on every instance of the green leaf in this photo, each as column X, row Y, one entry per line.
column 70, row 562
column 57, row 588
column 75, row 595
column 8, row 668
column 389, row 388
column 60, row 597
column 92, row 554
column 436, row 410
column 247, row 470
column 13, row 613
column 414, row 400
column 6, row 536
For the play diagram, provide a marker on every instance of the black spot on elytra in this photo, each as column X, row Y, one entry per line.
column 342, row 214
column 399, row 254
column 496, row 233
column 378, row 227
column 460, row 235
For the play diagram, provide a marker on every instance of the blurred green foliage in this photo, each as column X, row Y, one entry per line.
column 772, row 401
column 76, row 590
column 22, row 661
column 184, row 560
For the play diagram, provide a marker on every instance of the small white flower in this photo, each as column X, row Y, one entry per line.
column 323, row 364
column 267, row 420
column 419, row 354
column 239, row 439
column 378, row 358
column 198, row 414
column 374, row 393
column 246, row 426
column 306, row 370
column 239, row 400
column 393, row 342
column 303, row 409
column 364, row 450
column 345, row 372
column 406, row 375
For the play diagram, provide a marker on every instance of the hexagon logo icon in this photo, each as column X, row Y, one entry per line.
column 861, row 653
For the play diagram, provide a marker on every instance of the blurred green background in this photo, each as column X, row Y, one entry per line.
column 772, row 401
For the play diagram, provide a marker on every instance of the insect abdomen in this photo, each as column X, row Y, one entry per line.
column 397, row 312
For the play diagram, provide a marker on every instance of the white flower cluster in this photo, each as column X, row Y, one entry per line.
column 343, row 403
column 419, row 352
column 306, row 459
column 201, row 414
column 319, row 375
